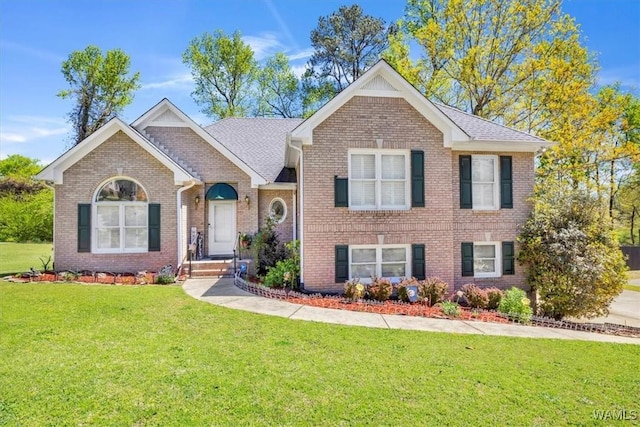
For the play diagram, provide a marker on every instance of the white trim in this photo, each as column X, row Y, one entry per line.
column 378, row 248
column 451, row 131
column 279, row 186
column 179, row 222
column 165, row 105
column 378, row 153
column 55, row 171
column 504, row 146
column 498, row 260
column 496, row 183
column 284, row 205
column 300, row 164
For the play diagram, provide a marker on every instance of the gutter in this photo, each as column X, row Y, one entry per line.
column 295, row 220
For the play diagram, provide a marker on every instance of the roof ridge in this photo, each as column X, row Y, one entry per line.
column 438, row 104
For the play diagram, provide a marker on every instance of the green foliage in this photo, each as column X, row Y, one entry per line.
column 573, row 260
column 433, row 290
column 450, row 308
column 278, row 89
column 494, row 296
column 27, row 217
column 266, row 249
column 224, row 70
column 476, row 297
column 165, row 279
column 18, row 166
column 380, row 289
column 516, row 305
column 353, row 289
column 346, row 43
column 286, row 272
column 100, row 87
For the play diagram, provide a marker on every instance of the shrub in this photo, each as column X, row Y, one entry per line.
column 266, row 248
column 402, row 288
column 432, row 290
column 476, row 297
column 165, row 279
column 353, row 289
column 494, row 296
column 450, row 308
column 380, row 289
column 286, row 272
column 516, row 305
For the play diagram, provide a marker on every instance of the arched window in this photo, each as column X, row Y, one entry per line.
column 278, row 210
column 120, row 217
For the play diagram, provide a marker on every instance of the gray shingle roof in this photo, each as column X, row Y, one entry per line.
column 484, row 130
column 258, row 141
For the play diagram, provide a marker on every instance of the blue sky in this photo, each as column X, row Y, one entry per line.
column 36, row 36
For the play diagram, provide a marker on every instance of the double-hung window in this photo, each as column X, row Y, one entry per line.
column 121, row 218
column 486, row 182
column 488, row 259
column 390, row 261
column 379, row 180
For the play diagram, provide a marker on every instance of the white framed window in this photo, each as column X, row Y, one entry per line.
column 379, row 179
column 485, row 181
column 278, row 210
column 120, row 218
column 389, row 261
column 486, row 259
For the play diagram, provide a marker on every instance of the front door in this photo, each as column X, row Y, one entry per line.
column 222, row 227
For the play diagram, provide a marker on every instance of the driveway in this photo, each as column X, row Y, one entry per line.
column 624, row 310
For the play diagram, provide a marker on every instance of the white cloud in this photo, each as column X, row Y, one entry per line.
column 299, row 70
column 305, row 53
column 179, row 81
column 24, row 129
column 284, row 28
column 264, row 45
column 628, row 76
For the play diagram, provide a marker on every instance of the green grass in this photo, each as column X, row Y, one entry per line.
column 150, row 355
column 20, row 257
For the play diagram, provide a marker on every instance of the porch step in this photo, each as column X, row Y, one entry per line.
column 209, row 268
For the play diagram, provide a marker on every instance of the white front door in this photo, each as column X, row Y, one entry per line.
column 222, row 227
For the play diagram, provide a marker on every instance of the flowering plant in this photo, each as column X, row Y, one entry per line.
column 354, row 289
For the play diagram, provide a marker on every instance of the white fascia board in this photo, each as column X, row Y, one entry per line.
column 279, row 186
column 165, row 104
column 55, row 171
column 503, row 146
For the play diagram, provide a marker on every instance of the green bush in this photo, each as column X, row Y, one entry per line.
column 27, row 217
column 494, row 296
column 266, row 248
column 516, row 305
column 380, row 289
column 450, row 308
column 476, row 297
column 286, row 272
column 165, row 279
column 432, row 290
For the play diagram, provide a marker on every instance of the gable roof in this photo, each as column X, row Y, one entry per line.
column 55, row 170
column 461, row 131
column 259, row 141
column 166, row 114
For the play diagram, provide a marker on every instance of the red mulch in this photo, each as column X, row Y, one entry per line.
column 392, row 307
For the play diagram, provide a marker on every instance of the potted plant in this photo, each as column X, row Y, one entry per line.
column 245, row 240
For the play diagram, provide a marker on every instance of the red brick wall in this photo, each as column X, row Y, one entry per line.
column 441, row 225
column 80, row 184
column 284, row 230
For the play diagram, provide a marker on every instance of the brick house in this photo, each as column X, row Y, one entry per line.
column 380, row 181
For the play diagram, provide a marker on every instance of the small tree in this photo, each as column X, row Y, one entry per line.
column 100, row 86
column 266, row 248
column 573, row 260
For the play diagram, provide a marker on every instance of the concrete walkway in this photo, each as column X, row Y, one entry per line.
column 224, row 293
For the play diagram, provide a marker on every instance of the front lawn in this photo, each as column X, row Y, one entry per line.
column 20, row 257
column 150, row 355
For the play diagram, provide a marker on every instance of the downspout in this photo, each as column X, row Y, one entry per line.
column 301, row 188
column 179, row 216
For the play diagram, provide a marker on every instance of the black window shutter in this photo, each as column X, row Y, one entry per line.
column 417, row 179
column 341, row 192
column 342, row 263
column 506, row 183
column 154, row 227
column 417, row 261
column 84, row 227
column 467, row 258
column 508, row 258
column 466, row 195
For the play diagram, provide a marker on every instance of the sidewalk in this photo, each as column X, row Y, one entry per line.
column 224, row 293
